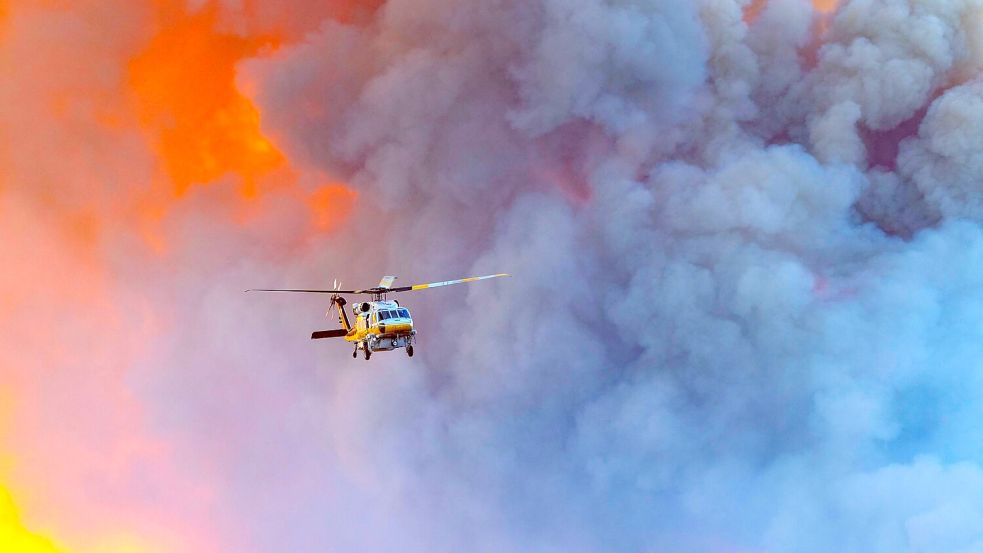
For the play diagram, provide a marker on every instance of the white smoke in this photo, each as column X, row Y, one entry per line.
column 944, row 161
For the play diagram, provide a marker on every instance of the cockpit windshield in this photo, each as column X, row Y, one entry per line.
column 393, row 314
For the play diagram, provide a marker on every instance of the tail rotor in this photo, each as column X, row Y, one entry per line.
column 335, row 297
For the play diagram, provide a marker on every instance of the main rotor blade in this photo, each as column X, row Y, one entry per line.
column 446, row 283
column 375, row 291
column 309, row 291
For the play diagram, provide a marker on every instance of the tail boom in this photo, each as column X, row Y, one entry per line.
column 339, row 303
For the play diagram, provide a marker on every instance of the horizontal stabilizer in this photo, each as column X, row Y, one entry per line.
column 340, row 333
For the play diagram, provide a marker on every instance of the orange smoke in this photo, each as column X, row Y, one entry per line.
column 202, row 126
column 184, row 82
column 753, row 10
column 330, row 206
column 81, row 172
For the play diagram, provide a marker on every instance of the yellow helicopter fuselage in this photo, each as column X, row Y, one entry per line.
column 379, row 325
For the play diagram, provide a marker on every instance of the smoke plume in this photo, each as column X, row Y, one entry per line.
column 747, row 310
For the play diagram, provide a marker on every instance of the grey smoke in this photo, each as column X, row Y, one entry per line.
column 727, row 330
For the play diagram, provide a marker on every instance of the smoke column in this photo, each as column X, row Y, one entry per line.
column 747, row 311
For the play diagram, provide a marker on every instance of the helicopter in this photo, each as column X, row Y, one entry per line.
column 380, row 324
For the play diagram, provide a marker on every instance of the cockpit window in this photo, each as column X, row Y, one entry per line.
column 393, row 314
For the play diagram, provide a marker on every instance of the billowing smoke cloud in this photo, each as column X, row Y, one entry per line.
column 746, row 315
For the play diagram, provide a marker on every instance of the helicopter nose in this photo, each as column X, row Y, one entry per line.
column 399, row 327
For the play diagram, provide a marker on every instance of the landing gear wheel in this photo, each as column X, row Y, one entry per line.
column 355, row 353
column 367, row 354
column 409, row 351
